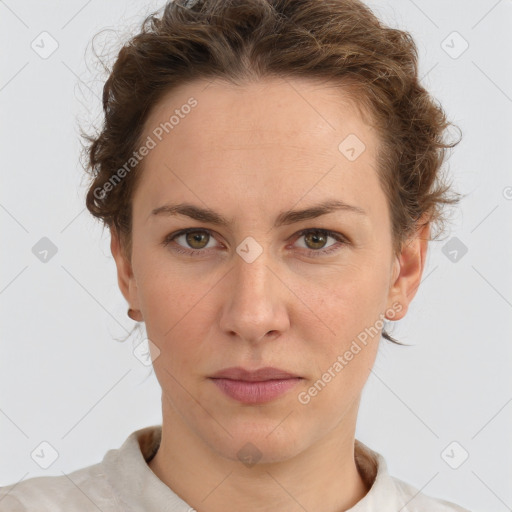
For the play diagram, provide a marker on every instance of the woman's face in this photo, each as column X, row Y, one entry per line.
column 257, row 283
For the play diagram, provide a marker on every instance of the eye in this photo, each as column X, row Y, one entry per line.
column 197, row 239
column 316, row 239
column 197, row 242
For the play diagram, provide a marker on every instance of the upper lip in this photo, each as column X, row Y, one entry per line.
column 261, row 374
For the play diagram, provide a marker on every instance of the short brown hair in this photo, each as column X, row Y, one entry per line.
column 247, row 40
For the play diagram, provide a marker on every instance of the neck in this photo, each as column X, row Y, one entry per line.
column 322, row 477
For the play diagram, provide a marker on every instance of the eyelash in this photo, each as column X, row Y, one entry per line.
column 311, row 252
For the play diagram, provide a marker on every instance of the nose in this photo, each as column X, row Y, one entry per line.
column 255, row 308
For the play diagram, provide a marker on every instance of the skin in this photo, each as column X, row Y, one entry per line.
column 250, row 152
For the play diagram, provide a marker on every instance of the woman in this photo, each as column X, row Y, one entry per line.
column 269, row 171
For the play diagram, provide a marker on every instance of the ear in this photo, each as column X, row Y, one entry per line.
column 125, row 277
column 408, row 269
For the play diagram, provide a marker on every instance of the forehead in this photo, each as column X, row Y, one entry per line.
column 280, row 135
column 288, row 108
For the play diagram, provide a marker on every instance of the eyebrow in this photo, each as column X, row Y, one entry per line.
column 283, row 219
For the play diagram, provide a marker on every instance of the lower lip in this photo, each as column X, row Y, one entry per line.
column 255, row 392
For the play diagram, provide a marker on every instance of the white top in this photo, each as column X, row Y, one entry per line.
column 124, row 482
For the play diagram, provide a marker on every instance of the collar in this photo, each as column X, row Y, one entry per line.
column 139, row 489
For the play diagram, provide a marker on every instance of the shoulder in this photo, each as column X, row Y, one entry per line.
column 83, row 490
column 388, row 493
column 106, row 486
column 413, row 500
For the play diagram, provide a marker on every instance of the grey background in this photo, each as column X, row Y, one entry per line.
column 67, row 381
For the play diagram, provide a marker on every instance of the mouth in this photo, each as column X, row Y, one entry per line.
column 256, row 386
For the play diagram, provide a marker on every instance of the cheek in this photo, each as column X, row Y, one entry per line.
column 350, row 299
column 345, row 332
column 163, row 301
column 341, row 362
column 165, row 292
column 175, row 311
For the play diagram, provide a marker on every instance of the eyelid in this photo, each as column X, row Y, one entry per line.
column 339, row 237
column 172, row 236
column 334, row 248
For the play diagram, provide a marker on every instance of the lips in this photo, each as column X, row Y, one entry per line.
column 260, row 375
column 256, row 386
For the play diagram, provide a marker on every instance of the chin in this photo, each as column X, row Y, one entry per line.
column 258, row 451
column 258, row 442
